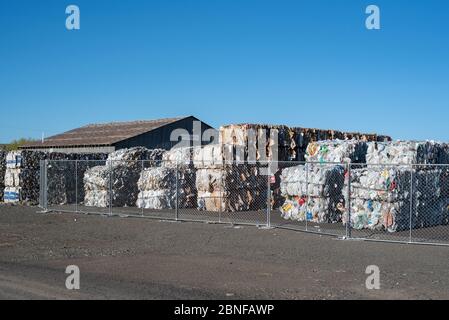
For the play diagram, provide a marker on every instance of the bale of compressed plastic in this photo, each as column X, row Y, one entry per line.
column 166, row 187
column 120, row 174
column 22, row 176
column 23, row 170
column 178, row 157
column 313, row 192
column 120, row 177
column 396, row 198
column 337, row 151
column 65, row 174
column 407, row 152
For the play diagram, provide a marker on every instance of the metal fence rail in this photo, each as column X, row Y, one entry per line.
column 393, row 203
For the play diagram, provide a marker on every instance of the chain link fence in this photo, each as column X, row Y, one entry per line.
column 395, row 203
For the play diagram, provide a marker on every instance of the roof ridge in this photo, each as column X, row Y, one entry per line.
column 132, row 121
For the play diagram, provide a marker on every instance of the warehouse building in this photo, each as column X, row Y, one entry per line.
column 113, row 136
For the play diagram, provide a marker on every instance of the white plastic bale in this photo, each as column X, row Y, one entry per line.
column 161, row 187
column 313, row 192
column 181, row 157
column 155, row 199
column 336, row 151
column 12, row 194
column 121, row 175
column 22, row 171
column 407, row 152
column 381, row 198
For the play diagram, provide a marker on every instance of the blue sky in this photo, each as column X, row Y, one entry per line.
column 303, row 63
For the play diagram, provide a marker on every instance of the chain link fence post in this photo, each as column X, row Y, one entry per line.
column 411, row 203
column 110, row 188
column 268, row 195
column 177, row 192
column 45, row 186
column 141, row 174
column 306, row 213
column 76, row 185
column 220, row 211
column 348, row 222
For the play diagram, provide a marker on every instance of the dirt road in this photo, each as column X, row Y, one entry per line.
column 129, row 258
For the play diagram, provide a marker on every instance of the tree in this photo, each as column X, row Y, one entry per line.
column 15, row 144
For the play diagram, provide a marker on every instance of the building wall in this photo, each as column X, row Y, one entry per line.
column 160, row 138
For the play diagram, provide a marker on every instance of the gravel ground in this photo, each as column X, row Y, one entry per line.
column 131, row 258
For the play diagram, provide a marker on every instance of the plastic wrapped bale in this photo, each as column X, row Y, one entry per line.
column 337, row 151
column 313, row 192
column 2, row 173
column 407, row 152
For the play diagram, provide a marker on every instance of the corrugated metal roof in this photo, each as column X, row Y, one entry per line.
column 102, row 134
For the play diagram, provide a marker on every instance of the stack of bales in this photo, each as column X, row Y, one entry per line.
column 120, row 174
column 224, row 185
column 256, row 142
column 304, row 137
column 170, row 185
column 22, row 176
column 401, row 187
column 314, row 191
column 337, row 151
column 65, row 173
column 291, row 143
column 380, row 198
column 2, row 173
column 407, row 152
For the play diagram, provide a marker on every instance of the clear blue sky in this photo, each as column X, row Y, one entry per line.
column 304, row 63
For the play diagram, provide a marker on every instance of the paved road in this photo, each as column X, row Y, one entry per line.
column 129, row 258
